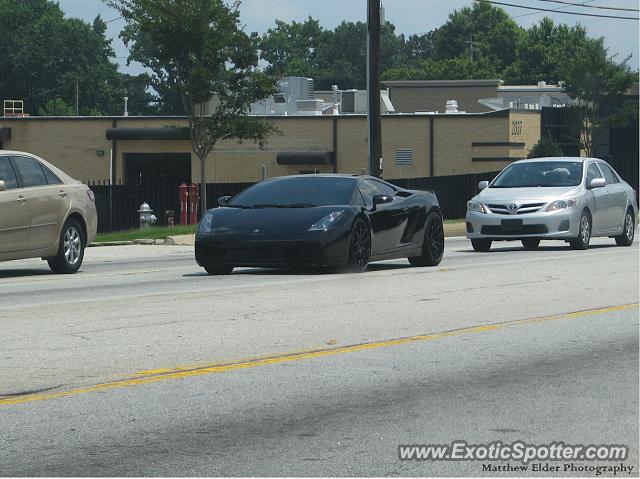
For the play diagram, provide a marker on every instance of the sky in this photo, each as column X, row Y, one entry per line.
column 409, row 17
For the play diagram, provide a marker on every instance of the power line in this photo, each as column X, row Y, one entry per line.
column 540, row 13
column 591, row 6
column 556, row 10
column 114, row 19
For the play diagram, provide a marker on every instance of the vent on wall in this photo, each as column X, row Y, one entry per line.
column 404, row 156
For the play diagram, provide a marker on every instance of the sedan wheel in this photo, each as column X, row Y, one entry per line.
column 433, row 243
column 218, row 269
column 628, row 231
column 70, row 250
column 529, row 243
column 481, row 245
column 359, row 247
column 584, row 233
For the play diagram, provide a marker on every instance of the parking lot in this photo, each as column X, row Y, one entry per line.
column 142, row 364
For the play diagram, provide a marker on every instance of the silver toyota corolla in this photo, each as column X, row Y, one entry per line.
column 570, row 199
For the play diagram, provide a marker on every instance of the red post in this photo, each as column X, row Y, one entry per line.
column 184, row 202
column 194, row 195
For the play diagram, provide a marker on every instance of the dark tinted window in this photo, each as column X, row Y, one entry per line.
column 7, row 174
column 51, row 178
column 592, row 173
column 30, row 171
column 381, row 188
column 300, row 191
column 540, row 173
column 608, row 174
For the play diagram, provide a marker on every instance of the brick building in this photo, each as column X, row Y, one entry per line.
column 142, row 149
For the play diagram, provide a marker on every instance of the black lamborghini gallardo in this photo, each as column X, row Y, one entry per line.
column 320, row 220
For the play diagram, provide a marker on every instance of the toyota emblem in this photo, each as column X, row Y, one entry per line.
column 513, row 206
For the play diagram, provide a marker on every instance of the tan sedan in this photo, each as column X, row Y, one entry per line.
column 44, row 213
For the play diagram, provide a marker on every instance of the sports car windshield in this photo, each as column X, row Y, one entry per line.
column 540, row 174
column 297, row 192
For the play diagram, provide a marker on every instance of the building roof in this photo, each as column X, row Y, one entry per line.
column 442, row 83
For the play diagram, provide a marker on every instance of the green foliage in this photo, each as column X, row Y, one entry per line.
column 56, row 107
column 545, row 147
column 597, row 84
column 44, row 56
column 198, row 48
column 458, row 68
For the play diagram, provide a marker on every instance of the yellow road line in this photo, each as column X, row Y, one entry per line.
column 157, row 375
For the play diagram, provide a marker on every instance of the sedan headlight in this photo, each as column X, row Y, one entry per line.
column 205, row 224
column 562, row 204
column 475, row 206
column 327, row 221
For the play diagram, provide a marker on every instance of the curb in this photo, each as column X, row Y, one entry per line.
column 110, row 243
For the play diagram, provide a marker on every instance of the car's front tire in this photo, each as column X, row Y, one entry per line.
column 359, row 247
column 530, row 243
column 70, row 250
column 218, row 269
column 432, row 244
column 628, row 230
column 481, row 245
column 584, row 232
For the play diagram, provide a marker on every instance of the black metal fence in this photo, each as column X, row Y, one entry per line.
column 453, row 192
column 118, row 205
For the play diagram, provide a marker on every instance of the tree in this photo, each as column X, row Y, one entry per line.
column 545, row 147
column 597, row 83
column 56, row 107
column 44, row 56
column 543, row 50
column 199, row 48
column 458, row 68
column 482, row 30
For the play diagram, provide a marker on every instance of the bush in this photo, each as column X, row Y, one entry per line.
column 545, row 147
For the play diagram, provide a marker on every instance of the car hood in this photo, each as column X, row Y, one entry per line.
column 536, row 194
column 268, row 221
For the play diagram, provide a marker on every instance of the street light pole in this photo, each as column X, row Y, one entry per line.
column 373, row 87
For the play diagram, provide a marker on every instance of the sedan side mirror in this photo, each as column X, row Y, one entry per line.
column 482, row 185
column 3, row 186
column 597, row 183
column 381, row 199
column 223, row 200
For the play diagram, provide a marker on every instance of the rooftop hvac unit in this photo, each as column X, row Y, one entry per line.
column 309, row 107
column 348, row 101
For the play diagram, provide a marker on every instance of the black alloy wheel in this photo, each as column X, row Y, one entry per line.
column 433, row 243
column 359, row 247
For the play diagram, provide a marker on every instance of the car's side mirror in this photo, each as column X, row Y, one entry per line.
column 597, row 183
column 3, row 185
column 482, row 185
column 223, row 200
column 381, row 199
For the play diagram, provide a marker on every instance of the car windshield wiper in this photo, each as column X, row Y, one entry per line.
column 298, row 205
column 244, row 207
column 267, row 205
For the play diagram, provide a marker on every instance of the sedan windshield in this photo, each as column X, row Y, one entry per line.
column 540, row 174
column 297, row 192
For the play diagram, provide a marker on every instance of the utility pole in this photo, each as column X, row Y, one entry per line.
column 77, row 97
column 373, row 87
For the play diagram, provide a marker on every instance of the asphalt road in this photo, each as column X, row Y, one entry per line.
column 143, row 365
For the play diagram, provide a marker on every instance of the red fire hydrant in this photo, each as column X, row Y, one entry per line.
column 194, row 195
column 184, row 203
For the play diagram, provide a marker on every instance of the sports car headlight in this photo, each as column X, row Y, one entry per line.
column 325, row 223
column 205, row 224
column 562, row 204
column 475, row 206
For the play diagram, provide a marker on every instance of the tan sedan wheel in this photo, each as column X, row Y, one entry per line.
column 71, row 249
